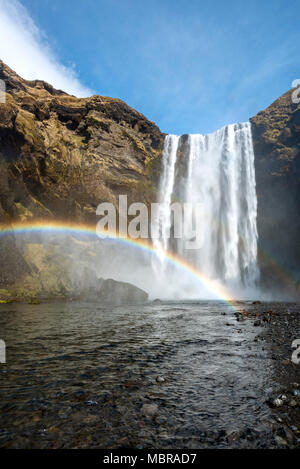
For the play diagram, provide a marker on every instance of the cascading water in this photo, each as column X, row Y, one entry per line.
column 166, row 190
column 217, row 172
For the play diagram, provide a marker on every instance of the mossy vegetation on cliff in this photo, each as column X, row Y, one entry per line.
column 63, row 151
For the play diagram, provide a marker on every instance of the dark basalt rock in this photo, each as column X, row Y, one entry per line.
column 112, row 292
column 276, row 138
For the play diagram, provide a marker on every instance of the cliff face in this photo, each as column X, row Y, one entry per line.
column 61, row 156
column 276, row 135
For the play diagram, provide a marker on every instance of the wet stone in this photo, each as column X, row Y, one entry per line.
column 280, row 441
column 275, row 402
column 149, row 410
column 160, row 379
column 293, row 403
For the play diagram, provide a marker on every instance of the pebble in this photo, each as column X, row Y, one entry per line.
column 233, row 436
column 160, row 379
column 276, row 402
column 278, row 419
column 149, row 410
column 90, row 402
column 124, row 441
column 289, row 435
column 293, row 403
column 296, row 392
column 280, row 441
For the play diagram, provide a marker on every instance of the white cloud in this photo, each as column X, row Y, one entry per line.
column 25, row 49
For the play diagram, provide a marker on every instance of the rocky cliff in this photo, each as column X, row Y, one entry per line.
column 61, row 156
column 276, row 135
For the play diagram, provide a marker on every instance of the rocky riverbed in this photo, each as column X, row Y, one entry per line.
column 168, row 375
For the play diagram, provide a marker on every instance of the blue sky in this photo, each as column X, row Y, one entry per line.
column 190, row 66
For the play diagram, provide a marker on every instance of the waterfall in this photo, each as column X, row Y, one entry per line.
column 215, row 171
column 163, row 217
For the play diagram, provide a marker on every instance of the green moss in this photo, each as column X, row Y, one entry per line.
column 118, row 181
column 34, row 301
column 5, row 293
column 152, row 168
column 97, row 122
column 26, row 125
column 78, row 140
column 136, row 142
column 6, row 296
column 23, row 212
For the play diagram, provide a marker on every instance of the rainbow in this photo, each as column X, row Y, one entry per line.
column 85, row 229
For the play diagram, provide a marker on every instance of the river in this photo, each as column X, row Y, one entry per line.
column 78, row 375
